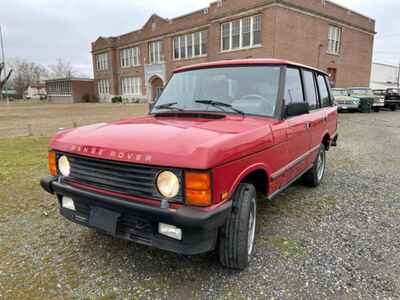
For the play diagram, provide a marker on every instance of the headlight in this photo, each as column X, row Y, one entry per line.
column 168, row 184
column 64, row 166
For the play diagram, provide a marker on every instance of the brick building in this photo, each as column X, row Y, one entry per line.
column 70, row 90
column 318, row 33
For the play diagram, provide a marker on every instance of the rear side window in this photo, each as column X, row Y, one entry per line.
column 323, row 91
column 293, row 88
column 311, row 93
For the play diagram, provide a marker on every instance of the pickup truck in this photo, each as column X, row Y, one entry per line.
column 392, row 99
column 186, row 177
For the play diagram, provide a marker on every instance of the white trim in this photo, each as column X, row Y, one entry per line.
column 241, row 49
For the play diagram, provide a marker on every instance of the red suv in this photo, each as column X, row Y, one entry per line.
column 185, row 177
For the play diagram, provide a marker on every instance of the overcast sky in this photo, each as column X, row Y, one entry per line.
column 44, row 30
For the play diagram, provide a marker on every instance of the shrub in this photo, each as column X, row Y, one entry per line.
column 86, row 98
column 116, row 99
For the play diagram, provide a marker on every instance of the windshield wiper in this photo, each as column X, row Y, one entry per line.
column 220, row 105
column 170, row 106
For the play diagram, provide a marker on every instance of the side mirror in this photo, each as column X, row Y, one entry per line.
column 297, row 109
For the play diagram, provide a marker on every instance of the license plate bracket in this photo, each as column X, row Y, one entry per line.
column 104, row 219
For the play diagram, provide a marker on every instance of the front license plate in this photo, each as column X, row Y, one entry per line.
column 104, row 219
column 344, row 107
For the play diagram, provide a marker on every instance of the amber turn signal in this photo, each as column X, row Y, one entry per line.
column 52, row 163
column 198, row 188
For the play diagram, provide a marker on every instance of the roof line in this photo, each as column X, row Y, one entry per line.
column 353, row 11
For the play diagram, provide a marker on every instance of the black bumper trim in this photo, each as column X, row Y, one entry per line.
column 185, row 216
column 200, row 228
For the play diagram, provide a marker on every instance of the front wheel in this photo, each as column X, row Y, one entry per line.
column 315, row 175
column 236, row 243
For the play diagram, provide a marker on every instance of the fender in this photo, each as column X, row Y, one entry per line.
column 246, row 172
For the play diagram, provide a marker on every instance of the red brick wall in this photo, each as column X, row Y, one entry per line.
column 82, row 88
column 291, row 29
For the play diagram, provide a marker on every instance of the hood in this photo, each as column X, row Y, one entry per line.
column 171, row 141
column 361, row 96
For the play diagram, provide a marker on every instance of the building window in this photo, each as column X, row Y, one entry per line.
column 131, row 86
column 190, row 45
column 60, row 88
column 103, row 87
column 241, row 34
column 334, row 39
column 102, row 62
column 156, row 52
column 129, row 57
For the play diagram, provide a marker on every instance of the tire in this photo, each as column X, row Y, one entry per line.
column 393, row 108
column 376, row 109
column 315, row 175
column 236, row 242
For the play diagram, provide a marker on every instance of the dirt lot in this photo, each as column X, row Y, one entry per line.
column 45, row 119
column 340, row 240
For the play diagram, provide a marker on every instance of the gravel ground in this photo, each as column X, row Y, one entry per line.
column 337, row 241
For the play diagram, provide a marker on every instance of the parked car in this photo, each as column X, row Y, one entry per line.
column 392, row 99
column 366, row 94
column 185, row 178
column 344, row 101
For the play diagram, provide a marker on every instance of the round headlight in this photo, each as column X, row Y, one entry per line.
column 64, row 166
column 168, row 184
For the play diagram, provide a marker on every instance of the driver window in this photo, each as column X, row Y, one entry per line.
column 293, row 87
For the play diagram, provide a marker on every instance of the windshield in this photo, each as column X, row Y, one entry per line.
column 361, row 91
column 340, row 93
column 249, row 90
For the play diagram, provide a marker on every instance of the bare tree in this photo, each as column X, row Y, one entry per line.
column 25, row 73
column 62, row 69
column 6, row 78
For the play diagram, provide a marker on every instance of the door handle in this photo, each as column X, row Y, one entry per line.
column 308, row 125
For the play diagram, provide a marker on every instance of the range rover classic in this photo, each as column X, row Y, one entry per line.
column 185, row 178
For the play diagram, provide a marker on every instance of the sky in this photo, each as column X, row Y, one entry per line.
column 44, row 30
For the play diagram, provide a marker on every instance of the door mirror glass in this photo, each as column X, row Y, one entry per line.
column 297, row 109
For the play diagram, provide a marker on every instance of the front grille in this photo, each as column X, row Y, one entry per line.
column 124, row 178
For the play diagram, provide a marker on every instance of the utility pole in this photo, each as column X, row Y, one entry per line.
column 3, row 56
column 2, row 59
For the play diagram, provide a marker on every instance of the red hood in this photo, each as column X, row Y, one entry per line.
column 198, row 143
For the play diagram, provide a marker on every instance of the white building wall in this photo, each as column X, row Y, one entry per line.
column 384, row 76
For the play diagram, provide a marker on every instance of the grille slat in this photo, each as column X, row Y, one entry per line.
column 79, row 173
column 124, row 178
column 104, row 172
column 115, row 186
column 113, row 166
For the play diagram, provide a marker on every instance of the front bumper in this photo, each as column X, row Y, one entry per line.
column 348, row 106
column 139, row 222
column 381, row 104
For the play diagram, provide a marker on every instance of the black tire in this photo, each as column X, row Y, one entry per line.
column 393, row 108
column 376, row 110
column 233, row 249
column 313, row 177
